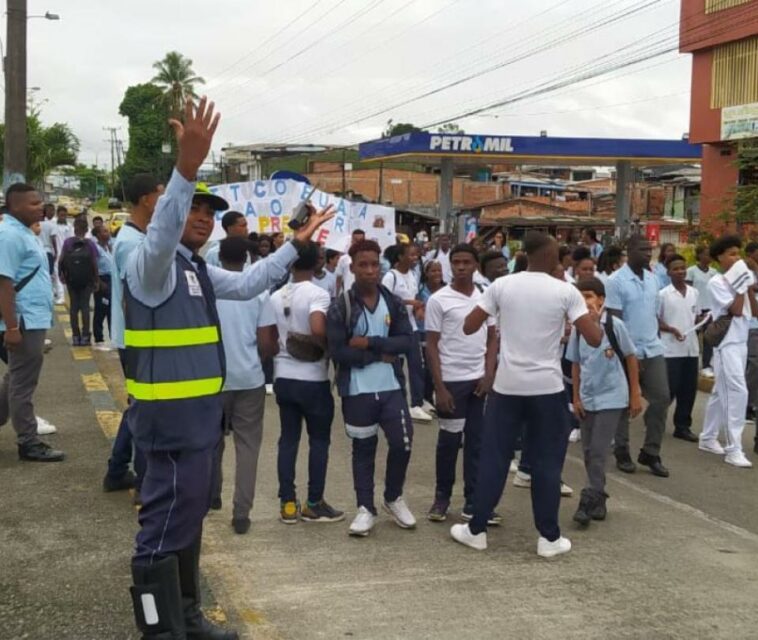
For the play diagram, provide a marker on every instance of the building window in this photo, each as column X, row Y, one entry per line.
column 712, row 6
column 735, row 73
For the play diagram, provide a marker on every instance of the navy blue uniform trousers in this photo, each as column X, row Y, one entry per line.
column 544, row 420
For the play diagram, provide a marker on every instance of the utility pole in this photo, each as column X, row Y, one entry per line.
column 14, row 64
column 112, row 140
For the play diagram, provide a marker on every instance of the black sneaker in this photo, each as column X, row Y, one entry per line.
column 624, row 461
column 750, row 415
column 122, row 483
column 654, row 463
column 438, row 512
column 241, row 525
column 216, row 504
column 686, row 435
column 40, row 452
column 321, row 512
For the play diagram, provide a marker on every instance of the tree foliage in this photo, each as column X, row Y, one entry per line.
column 398, row 129
column 47, row 147
column 145, row 108
column 177, row 80
column 746, row 195
column 451, row 127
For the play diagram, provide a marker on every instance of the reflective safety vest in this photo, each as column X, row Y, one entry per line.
column 175, row 364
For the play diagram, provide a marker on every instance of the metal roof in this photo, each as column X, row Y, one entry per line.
column 430, row 148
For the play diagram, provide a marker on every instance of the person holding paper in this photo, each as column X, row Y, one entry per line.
column 728, row 402
column 677, row 312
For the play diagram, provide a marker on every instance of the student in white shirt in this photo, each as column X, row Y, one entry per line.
column 728, row 401
column 463, row 370
column 303, row 393
column 234, row 225
column 322, row 277
column 677, row 315
column 48, row 233
column 532, row 308
column 698, row 276
column 345, row 277
column 442, row 255
column 248, row 330
column 63, row 231
column 401, row 281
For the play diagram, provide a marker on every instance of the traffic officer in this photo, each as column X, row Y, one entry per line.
column 175, row 372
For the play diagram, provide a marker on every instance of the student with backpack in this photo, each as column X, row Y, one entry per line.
column 605, row 383
column 78, row 271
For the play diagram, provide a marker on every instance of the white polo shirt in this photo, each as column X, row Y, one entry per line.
column 679, row 311
column 405, row 287
column 461, row 356
column 532, row 309
column 343, row 271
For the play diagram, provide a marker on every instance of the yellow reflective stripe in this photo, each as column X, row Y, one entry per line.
column 174, row 390
column 148, row 338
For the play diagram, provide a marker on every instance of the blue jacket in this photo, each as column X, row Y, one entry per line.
column 338, row 336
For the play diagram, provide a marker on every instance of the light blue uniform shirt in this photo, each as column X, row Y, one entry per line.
column 240, row 320
column 104, row 261
column 662, row 275
column 127, row 240
column 603, row 383
column 637, row 300
column 212, row 255
column 596, row 250
column 378, row 376
column 20, row 254
column 150, row 268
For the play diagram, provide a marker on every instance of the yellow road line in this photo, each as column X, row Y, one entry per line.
column 60, row 307
column 63, row 317
column 94, row 382
column 109, row 421
column 68, row 333
column 81, row 354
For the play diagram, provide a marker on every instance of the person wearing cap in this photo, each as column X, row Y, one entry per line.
column 175, row 372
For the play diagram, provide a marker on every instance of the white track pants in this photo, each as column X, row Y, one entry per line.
column 728, row 401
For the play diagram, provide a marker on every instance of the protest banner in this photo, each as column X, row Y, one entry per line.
column 267, row 205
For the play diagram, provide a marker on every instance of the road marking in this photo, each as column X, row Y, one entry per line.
column 60, row 307
column 680, row 506
column 94, row 382
column 81, row 354
column 68, row 333
column 63, row 318
column 109, row 422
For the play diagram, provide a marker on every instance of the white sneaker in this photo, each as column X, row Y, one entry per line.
column 48, row 342
column 363, row 522
column 44, row 428
column 575, row 435
column 461, row 533
column 269, row 389
column 738, row 459
column 547, row 549
column 60, row 300
column 523, row 480
column 417, row 413
column 514, row 466
column 102, row 346
column 566, row 491
column 711, row 446
column 400, row 513
column 428, row 407
column 707, row 373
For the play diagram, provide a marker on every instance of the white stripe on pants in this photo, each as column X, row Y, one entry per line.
column 728, row 401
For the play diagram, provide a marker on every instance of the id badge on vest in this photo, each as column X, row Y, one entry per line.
column 193, row 284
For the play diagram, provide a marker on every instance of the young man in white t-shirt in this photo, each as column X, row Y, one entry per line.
column 401, row 281
column 532, row 308
column 323, row 278
column 442, row 255
column 730, row 296
column 248, row 330
column 698, row 276
column 463, row 370
column 677, row 315
column 303, row 393
column 345, row 277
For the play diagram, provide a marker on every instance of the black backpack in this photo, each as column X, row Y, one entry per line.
column 77, row 265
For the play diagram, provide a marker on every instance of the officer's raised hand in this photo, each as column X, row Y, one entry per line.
column 315, row 220
column 194, row 136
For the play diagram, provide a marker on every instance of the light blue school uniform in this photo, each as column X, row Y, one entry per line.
column 637, row 300
column 603, row 383
column 20, row 255
column 104, row 261
column 661, row 275
column 377, row 377
column 128, row 239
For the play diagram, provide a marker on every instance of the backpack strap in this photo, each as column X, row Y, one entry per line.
column 26, row 279
column 611, row 334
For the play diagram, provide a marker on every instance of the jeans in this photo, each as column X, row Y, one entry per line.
column 683, row 377
column 313, row 402
column 546, row 420
column 102, row 308
column 79, row 300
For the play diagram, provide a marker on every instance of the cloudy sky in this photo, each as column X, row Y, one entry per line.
column 334, row 71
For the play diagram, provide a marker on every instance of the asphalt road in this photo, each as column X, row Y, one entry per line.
column 677, row 557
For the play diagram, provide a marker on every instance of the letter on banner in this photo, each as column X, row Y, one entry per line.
column 435, row 142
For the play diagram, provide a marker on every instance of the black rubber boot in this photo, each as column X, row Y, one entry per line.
column 598, row 511
column 157, row 600
column 624, row 461
column 198, row 626
column 586, row 503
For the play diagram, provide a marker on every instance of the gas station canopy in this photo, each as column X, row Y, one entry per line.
column 431, row 149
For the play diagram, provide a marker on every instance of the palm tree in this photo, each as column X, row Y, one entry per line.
column 177, row 79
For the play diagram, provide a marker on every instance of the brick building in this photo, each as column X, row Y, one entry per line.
column 722, row 36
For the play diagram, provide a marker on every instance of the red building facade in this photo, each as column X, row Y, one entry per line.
column 722, row 36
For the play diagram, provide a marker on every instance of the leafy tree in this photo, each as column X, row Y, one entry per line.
column 177, row 80
column 145, row 107
column 93, row 180
column 746, row 195
column 47, row 147
column 399, row 129
column 451, row 127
